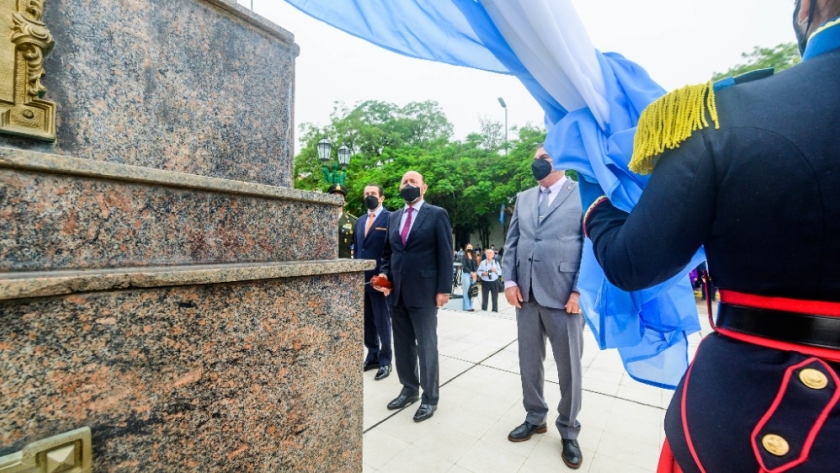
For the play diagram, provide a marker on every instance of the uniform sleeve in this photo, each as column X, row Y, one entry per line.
column 670, row 222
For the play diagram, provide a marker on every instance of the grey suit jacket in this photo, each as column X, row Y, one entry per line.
column 545, row 258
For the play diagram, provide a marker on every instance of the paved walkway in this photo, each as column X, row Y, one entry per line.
column 481, row 402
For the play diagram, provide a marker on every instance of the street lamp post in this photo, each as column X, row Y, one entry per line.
column 334, row 175
column 504, row 106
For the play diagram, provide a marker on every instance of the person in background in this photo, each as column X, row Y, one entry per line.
column 468, row 276
column 346, row 224
column 489, row 271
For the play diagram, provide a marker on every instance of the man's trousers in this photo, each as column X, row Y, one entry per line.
column 565, row 333
column 415, row 339
column 377, row 328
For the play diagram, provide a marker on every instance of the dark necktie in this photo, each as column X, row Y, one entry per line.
column 406, row 226
column 542, row 210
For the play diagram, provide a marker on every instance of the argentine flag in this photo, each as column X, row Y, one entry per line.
column 592, row 101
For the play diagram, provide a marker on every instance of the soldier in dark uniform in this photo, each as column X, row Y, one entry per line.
column 758, row 185
column 346, row 225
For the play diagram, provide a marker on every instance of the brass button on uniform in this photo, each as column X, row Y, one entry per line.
column 775, row 445
column 813, row 379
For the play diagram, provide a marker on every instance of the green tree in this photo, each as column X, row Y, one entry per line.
column 780, row 57
column 471, row 179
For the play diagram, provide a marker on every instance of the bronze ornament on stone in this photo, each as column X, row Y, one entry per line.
column 23, row 111
column 69, row 452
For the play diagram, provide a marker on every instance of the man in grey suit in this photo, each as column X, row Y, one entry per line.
column 540, row 269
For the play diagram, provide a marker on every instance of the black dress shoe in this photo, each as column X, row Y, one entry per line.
column 371, row 365
column 424, row 412
column 525, row 431
column 571, row 454
column 402, row 401
column 383, row 372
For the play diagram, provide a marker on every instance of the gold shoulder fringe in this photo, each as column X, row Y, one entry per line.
column 669, row 121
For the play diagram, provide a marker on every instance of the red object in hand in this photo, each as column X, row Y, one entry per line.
column 379, row 281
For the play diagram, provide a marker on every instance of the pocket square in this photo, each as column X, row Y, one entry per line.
column 381, row 228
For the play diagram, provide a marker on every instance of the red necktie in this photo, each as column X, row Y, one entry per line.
column 404, row 232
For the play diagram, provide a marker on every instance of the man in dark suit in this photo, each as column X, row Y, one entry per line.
column 370, row 234
column 541, row 269
column 417, row 258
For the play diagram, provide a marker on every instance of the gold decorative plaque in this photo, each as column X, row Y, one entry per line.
column 24, row 41
column 69, row 452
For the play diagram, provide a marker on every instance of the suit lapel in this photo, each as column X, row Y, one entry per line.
column 395, row 221
column 531, row 201
column 378, row 222
column 562, row 195
column 418, row 221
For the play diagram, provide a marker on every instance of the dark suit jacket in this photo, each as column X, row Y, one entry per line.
column 371, row 246
column 761, row 193
column 423, row 267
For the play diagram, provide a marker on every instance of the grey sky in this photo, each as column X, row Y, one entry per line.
column 677, row 41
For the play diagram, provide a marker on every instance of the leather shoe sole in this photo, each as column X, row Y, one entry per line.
column 383, row 372
column 402, row 401
column 573, row 466
column 371, row 366
column 425, row 411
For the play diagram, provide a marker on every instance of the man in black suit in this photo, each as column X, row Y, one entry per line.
column 370, row 235
column 417, row 258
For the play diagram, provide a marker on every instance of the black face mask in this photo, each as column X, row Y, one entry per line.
column 801, row 38
column 541, row 169
column 410, row 193
column 371, row 202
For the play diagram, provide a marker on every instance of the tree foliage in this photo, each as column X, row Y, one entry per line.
column 780, row 57
column 472, row 179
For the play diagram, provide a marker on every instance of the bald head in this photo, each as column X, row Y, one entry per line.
column 412, row 179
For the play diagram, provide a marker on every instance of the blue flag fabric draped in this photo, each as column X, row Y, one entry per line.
column 592, row 102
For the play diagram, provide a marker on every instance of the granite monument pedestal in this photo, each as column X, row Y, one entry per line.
column 161, row 283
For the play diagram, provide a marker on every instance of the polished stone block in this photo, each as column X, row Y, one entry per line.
column 59, row 222
column 260, row 376
column 195, row 86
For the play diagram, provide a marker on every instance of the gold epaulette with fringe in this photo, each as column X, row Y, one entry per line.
column 669, row 121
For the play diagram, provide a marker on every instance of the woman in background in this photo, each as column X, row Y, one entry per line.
column 468, row 269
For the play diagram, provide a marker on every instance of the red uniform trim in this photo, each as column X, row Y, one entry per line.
column 684, row 416
column 798, row 306
column 667, row 463
column 815, row 429
column 828, row 309
column 593, row 206
column 822, row 353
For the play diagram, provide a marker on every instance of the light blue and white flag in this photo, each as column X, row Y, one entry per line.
column 592, row 102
